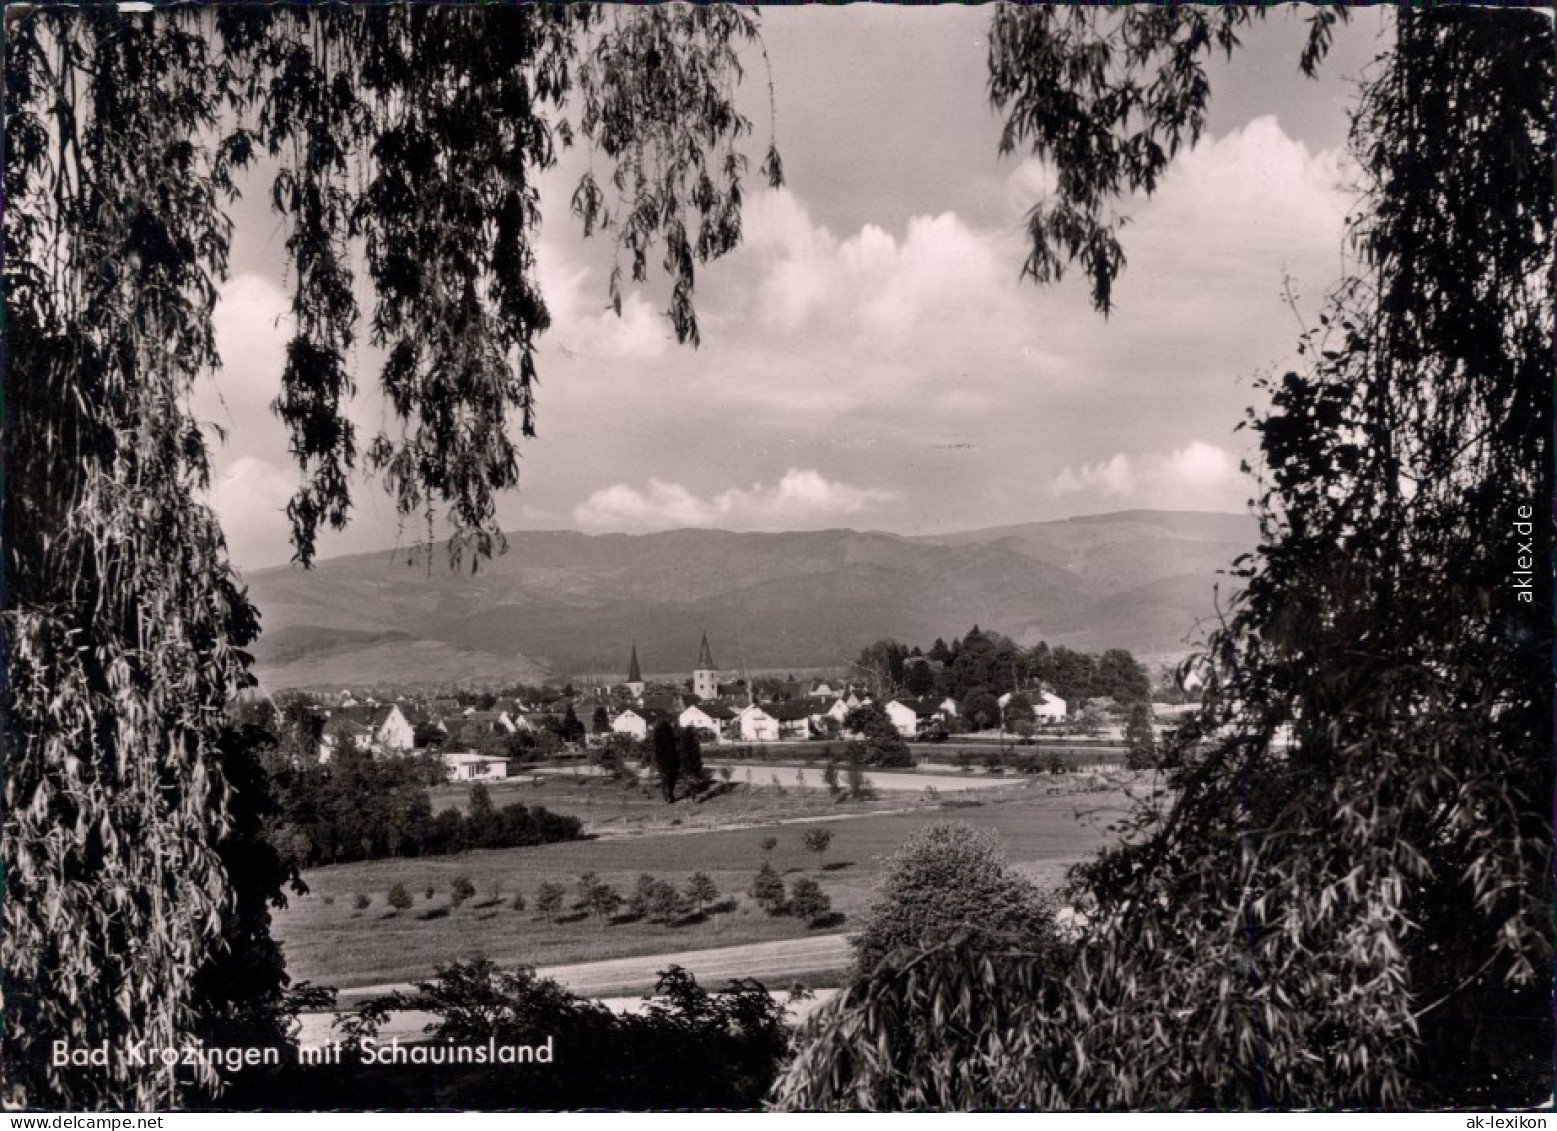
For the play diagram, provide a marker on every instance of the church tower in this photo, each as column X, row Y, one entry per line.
column 634, row 674
column 705, row 680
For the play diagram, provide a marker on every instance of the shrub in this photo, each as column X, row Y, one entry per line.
column 517, row 903
column 807, row 901
column 461, row 890
column 548, row 899
column 945, row 878
column 603, row 902
column 643, row 891
column 399, row 898
column 701, row 890
column 362, row 901
column 664, row 902
column 817, row 840
column 768, row 890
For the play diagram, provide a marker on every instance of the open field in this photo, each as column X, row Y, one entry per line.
column 613, row 808
column 789, row 960
column 329, row 942
column 881, row 781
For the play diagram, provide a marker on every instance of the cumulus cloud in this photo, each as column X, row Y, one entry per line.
column 802, row 497
column 919, row 294
column 1199, row 465
column 1111, row 478
column 1198, row 476
column 252, row 323
column 250, row 499
column 581, row 322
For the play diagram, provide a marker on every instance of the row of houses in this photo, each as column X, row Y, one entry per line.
column 798, row 709
column 385, row 729
column 798, row 719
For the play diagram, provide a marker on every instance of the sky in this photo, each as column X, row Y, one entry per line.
column 871, row 357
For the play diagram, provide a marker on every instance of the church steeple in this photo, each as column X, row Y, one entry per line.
column 705, row 680
column 633, row 674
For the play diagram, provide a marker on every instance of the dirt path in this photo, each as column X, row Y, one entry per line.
column 769, row 961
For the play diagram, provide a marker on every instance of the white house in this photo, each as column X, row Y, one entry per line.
column 1046, row 705
column 467, row 765
column 638, row 721
column 794, row 718
column 630, row 722
column 383, row 729
column 712, row 717
column 756, row 725
column 909, row 714
column 838, row 710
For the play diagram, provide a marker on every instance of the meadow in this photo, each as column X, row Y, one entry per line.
column 1044, row 825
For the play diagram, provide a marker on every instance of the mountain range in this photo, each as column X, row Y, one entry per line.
column 561, row 604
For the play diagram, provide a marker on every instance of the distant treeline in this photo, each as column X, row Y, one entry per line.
column 357, row 808
column 990, row 661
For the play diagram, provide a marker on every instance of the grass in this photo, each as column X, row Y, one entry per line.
column 613, row 808
column 1042, row 832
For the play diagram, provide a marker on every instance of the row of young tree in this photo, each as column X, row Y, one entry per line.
column 990, row 662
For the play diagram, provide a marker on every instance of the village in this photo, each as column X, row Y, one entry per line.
column 484, row 736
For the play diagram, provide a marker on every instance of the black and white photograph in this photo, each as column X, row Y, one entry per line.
column 792, row 558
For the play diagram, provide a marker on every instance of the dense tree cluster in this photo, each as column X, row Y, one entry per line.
column 879, row 743
column 356, row 807
column 991, row 662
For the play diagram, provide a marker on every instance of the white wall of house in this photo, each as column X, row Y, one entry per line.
column 756, row 725
column 1046, row 705
column 631, row 723
column 466, row 765
column 396, row 733
column 698, row 719
column 904, row 718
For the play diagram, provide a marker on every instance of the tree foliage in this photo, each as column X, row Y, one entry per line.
column 414, row 134
column 767, row 889
column 882, row 744
column 1108, row 106
column 817, row 841
column 548, row 899
column 807, row 901
column 687, row 1048
column 1140, row 739
column 357, row 807
column 944, row 878
column 667, row 757
column 929, row 1030
column 701, row 890
column 1349, row 902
